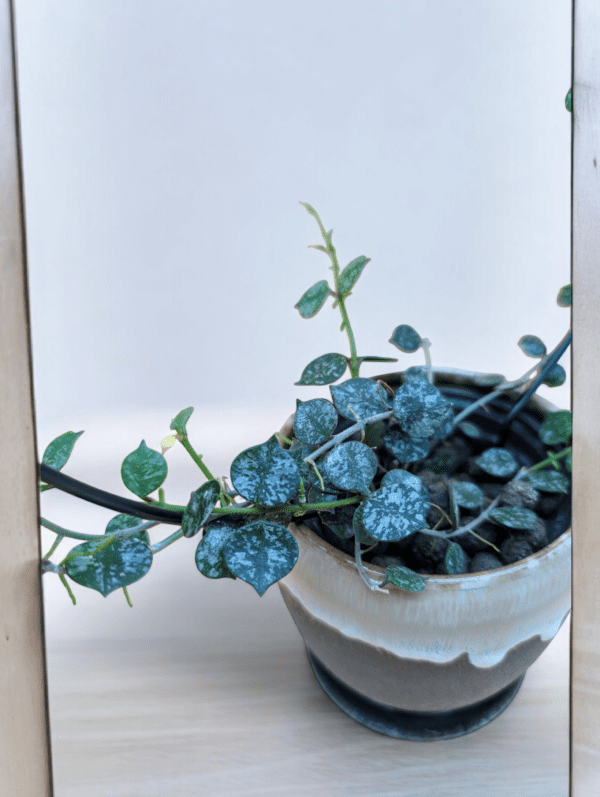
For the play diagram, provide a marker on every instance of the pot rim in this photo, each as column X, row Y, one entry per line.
column 518, row 569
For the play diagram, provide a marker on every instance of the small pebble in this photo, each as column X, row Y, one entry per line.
column 520, row 494
column 513, row 549
column 537, row 537
column 427, row 551
column 548, row 503
column 471, row 544
column 388, row 561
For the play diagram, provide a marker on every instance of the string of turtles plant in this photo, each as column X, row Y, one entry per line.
column 328, row 469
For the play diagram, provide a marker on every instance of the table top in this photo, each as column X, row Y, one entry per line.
column 233, row 709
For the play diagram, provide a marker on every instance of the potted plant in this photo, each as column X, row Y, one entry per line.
column 417, row 525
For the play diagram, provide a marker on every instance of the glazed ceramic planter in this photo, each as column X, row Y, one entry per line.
column 433, row 664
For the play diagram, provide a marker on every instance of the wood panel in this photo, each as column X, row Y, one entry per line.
column 24, row 738
column 585, row 649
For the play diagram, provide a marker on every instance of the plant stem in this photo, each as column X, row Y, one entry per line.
column 425, row 344
column 338, row 438
column 371, row 584
column 127, row 597
column 197, row 458
column 546, row 462
column 76, row 535
column 68, row 588
column 160, row 546
column 55, row 545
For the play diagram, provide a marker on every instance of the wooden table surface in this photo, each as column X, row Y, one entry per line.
column 240, row 713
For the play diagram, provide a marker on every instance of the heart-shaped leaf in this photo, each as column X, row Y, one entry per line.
column 120, row 522
column 351, row 273
column 420, row 408
column 358, row 398
column 405, row 338
column 394, row 512
column 556, row 376
column 311, row 302
column 299, row 452
column 324, row 370
column 404, row 578
column 557, row 428
column 446, row 427
column 201, row 504
column 261, row 554
column 549, row 481
column 456, row 560
column 532, row 346
column 498, row 462
column 564, row 297
column 514, row 517
column 122, row 562
column 400, row 476
column 179, row 422
column 404, row 447
column 314, row 420
column 265, row 474
column 59, row 450
column 351, row 466
column 416, row 373
column 467, row 495
column 144, row 470
column 209, row 553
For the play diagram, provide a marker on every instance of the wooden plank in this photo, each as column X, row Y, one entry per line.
column 24, row 737
column 585, row 640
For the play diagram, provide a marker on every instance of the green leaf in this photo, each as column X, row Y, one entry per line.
column 201, row 504
column 467, row 495
column 514, row 517
column 532, row 346
column 260, row 554
column 314, row 420
column 351, row 466
column 498, row 462
column 324, row 370
column 311, row 302
column 446, row 427
column 265, row 474
column 569, row 101
column 569, row 461
column 488, row 380
column 564, row 297
column 549, row 481
column 351, row 273
column 557, row 428
column 470, row 430
column 179, row 422
column 394, row 512
column 120, row 522
column 373, row 433
column 209, row 553
column 420, row 408
column 59, row 450
column 400, row 476
column 456, row 560
column 358, row 398
column 144, row 470
column 404, row 578
column 405, row 338
column 556, row 376
column 416, row 373
column 121, row 563
column 404, row 447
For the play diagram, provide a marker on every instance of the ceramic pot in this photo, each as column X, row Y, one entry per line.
column 438, row 663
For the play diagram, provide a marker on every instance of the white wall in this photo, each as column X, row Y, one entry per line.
column 166, row 148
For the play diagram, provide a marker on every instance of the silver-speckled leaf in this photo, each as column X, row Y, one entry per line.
column 404, row 447
column 298, row 452
column 420, row 408
column 557, row 428
column 179, row 422
column 121, row 563
column 532, row 346
column 265, row 474
column 201, row 504
column 555, row 377
column 351, row 273
column 416, row 373
column 446, row 427
column 261, row 554
column 467, row 495
column 404, row 578
column 456, row 560
column 351, row 466
column 514, row 517
column 498, row 462
column 324, row 370
column 209, row 553
column 144, row 470
column 313, row 299
column 314, row 420
column 564, row 297
column 59, row 450
column 549, row 481
column 400, row 476
column 120, row 522
column 405, row 338
column 394, row 512
column 358, row 398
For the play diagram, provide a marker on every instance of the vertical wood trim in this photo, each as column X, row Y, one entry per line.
column 25, row 763
column 585, row 630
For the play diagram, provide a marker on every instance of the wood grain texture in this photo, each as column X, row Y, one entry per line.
column 585, row 689
column 24, row 740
